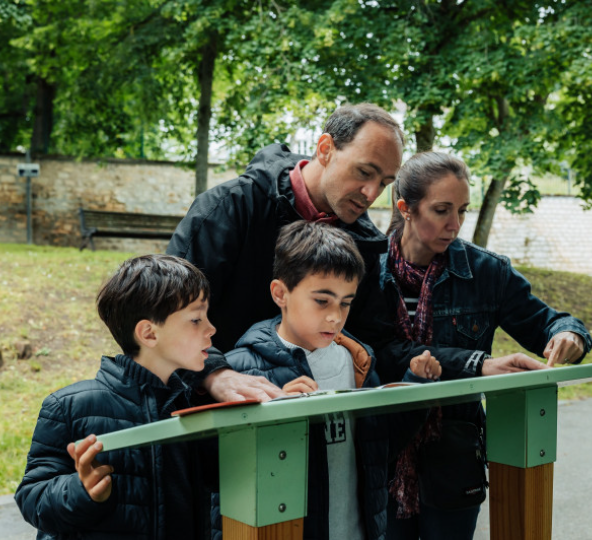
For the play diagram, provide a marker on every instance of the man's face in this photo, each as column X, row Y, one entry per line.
column 315, row 311
column 356, row 175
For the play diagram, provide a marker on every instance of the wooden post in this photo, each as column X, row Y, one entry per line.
column 520, row 502
column 287, row 530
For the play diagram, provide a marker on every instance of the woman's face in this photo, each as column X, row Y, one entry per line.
column 435, row 223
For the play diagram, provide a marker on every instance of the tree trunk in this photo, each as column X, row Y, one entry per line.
column 425, row 135
column 205, row 75
column 43, row 117
column 496, row 187
column 485, row 219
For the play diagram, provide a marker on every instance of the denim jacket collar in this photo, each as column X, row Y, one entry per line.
column 458, row 263
column 458, row 260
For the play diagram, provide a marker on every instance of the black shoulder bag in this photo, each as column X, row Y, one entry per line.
column 451, row 470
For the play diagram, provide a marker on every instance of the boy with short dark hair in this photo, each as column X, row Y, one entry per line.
column 156, row 308
column 316, row 273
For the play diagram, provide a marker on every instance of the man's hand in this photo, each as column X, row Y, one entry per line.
column 512, row 363
column 229, row 385
column 564, row 348
column 94, row 476
column 300, row 385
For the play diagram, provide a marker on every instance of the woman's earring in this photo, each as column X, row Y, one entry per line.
column 408, row 218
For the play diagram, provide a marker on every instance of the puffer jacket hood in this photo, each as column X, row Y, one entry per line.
column 262, row 339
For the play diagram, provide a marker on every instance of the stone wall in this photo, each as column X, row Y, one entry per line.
column 557, row 235
column 64, row 185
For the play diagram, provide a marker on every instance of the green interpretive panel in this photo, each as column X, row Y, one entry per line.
column 264, row 447
column 264, row 478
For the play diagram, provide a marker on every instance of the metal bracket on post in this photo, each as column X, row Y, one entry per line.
column 522, row 427
column 264, row 478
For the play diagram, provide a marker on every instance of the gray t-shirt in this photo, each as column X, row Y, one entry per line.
column 332, row 368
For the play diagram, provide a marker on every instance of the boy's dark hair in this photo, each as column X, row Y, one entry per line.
column 305, row 247
column 149, row 287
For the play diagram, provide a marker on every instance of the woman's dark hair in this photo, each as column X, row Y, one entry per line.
column 150, row 287
column 415, row 178
column 345, row 122
column 305, row 248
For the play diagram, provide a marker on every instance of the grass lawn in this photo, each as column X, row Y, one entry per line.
column 47, row 299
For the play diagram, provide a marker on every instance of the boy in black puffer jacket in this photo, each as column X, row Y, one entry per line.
column 156, row 308
column 317, row 270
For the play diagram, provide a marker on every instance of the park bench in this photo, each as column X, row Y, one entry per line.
column 124, row 225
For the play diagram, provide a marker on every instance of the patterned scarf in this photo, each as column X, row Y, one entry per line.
column 418, row 281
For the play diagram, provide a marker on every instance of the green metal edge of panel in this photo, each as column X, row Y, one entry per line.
column 212, row 422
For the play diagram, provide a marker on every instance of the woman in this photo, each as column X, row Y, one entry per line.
column 444, row 291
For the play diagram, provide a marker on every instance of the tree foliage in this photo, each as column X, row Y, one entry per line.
column 506, row 85
column 16, row 86
column 500, row 83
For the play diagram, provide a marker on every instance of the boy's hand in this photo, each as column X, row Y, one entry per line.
column 300, row 385
column 425, row 365
column 94, row 476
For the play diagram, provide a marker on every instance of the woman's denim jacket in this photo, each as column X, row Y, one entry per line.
column 478, row 292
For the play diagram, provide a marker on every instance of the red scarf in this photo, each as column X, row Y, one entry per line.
column 418, row 281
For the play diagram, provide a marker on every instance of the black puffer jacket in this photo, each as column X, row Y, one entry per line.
column 260, row 352
column 230, row 233
column 51, row 496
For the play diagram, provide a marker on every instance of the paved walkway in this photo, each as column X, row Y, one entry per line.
column 12, row 525
column 572, row 520
column 573, row 477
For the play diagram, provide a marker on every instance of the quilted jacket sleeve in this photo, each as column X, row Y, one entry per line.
column 51, row 496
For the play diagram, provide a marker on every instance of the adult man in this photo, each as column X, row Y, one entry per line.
column 230, row 230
